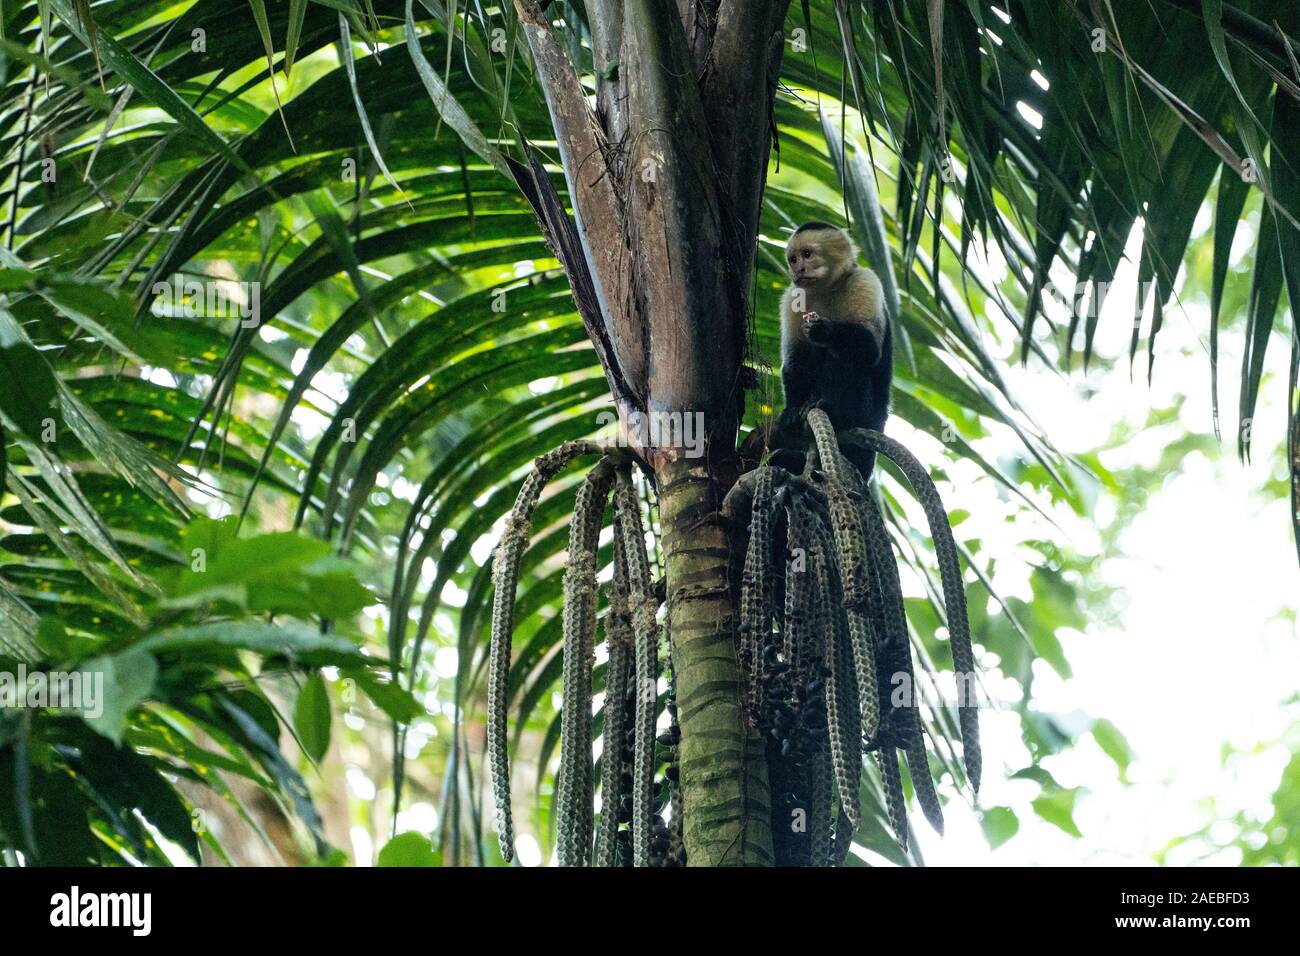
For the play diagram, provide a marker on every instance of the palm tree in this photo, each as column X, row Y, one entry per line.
column 596, row 224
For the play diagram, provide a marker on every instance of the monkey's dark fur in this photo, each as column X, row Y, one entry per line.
column 836, row 343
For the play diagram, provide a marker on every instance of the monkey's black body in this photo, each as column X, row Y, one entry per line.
column 842, row 372
column 839, row 369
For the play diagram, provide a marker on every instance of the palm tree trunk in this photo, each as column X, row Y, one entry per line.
column 665, row 179
column 723, row 771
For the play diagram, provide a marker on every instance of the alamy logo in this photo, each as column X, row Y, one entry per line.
column 82, row 691
column 657, row 430
column 1079, row 304
column 213, row 299
column 133, row 910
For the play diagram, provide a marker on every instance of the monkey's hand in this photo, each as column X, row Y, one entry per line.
column 816, row 329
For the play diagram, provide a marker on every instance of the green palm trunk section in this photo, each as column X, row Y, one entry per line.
column 725, row 793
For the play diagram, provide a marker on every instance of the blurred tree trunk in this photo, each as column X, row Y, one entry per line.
column 665, row 179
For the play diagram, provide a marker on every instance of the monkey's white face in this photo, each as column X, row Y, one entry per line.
column 815, row 256
column 807, row 264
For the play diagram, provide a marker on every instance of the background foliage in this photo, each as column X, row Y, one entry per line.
column 343, row 160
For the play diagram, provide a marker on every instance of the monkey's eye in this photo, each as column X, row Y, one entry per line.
column 793, row 260
column 807, row 254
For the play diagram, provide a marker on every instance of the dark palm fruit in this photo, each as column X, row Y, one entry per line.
column 954, row 594
column 505, row 576
column 786, row 662
column 822, row 807
column 677, row 853
column 845, row 521
column 851, row 717
column 893, row 656
column 843, row 840
column 892, row 780
column 801, row 675
column 841, row 701
column 615, row 780
column 923, row 785
column 864, row 623
column 574, row 779
column 756, row 593
column 646, row 663
column 862, row 657
column 646, row 634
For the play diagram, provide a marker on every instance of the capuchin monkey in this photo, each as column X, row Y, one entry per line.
column 836, row 344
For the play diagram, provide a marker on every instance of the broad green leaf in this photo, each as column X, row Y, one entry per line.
column 312, row 715
column 409, row 850
column 282, row 572
column 1057, row 808
column 27, row 385
column 1000, row 824
column 297, row 642
column 1114, row 744
column 388, row 696
column 128, row 678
